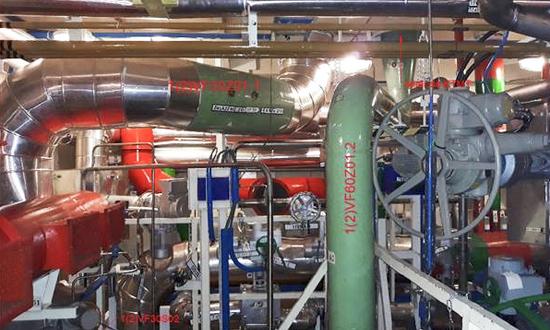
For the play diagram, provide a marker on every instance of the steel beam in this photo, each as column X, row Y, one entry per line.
column 474, row 316
column 308, row 291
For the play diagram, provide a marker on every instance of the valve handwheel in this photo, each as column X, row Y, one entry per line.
column 445, row 164
column 305, row 207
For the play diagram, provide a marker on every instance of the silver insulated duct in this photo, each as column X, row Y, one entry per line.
column 49, row 97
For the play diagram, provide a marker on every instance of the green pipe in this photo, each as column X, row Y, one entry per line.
column 272, row 97
column 534, row 319
column 350, row 219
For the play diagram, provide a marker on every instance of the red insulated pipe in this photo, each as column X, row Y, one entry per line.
column 64, row 232
column 141, row 154
column 282, row 188
column 546, row 71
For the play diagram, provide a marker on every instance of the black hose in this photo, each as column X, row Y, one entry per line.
column 480, row 58
column 460, row 74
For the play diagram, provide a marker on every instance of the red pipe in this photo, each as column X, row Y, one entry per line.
column 141, row 154
column 546, row 71
column 282, row 188
column 459, row 37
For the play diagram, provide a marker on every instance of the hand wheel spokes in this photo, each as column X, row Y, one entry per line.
column 447, row 168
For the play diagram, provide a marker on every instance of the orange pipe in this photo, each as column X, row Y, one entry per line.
column 141, row 154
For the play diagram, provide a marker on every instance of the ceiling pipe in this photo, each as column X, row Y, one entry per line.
column 49, row 97
column 508, row 15
column 209, row 8
column 119, row 8
column 265, row 49
column 175, row 25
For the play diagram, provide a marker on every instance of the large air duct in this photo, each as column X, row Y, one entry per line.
column 49, row 97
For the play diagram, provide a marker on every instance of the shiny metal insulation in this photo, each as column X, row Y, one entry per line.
column 49, row 97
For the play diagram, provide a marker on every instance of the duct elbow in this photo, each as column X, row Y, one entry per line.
column 500, row 13
column 309, row 81
column 138, row 149
column 509, row 16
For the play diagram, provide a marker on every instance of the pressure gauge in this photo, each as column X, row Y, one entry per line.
column 305, row 207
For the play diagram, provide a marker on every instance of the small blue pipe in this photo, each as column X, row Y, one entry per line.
column 489, row 66
column 48, row 35
column 227, row 234
column 234, row 182
column 210, row 204
column 428, row 247
column 429, row 238
column 226, row 244
column 101, row 280
column 226, row 252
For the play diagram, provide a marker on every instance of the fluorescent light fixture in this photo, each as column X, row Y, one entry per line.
column 352, row 64
column 533, row 64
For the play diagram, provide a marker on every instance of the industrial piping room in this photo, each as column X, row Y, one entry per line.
column 240, row 164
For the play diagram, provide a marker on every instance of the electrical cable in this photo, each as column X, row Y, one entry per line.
column 429, row 224
column 107, row 326
column 478, row 60
column 460, row 77
column 499, row 51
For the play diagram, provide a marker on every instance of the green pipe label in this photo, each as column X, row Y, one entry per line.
column 252, row 110
column 350, row 208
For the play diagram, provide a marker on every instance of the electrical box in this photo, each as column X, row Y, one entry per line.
column 221, row 188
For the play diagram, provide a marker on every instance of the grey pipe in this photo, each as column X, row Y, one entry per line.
column 508, row 15
column 49, row 97
column 204, row 8
column 184, row 154
column 85, row 143
column 531, row 92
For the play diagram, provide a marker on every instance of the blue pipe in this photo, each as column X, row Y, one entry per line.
column 210, row 204
column 48, row 35
column 428, row 246
column 226, row 244
column 233, row 256
column 226, row 252
column 489, row 66
column 429, row 236
column 234, row 183
column 101, row 280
